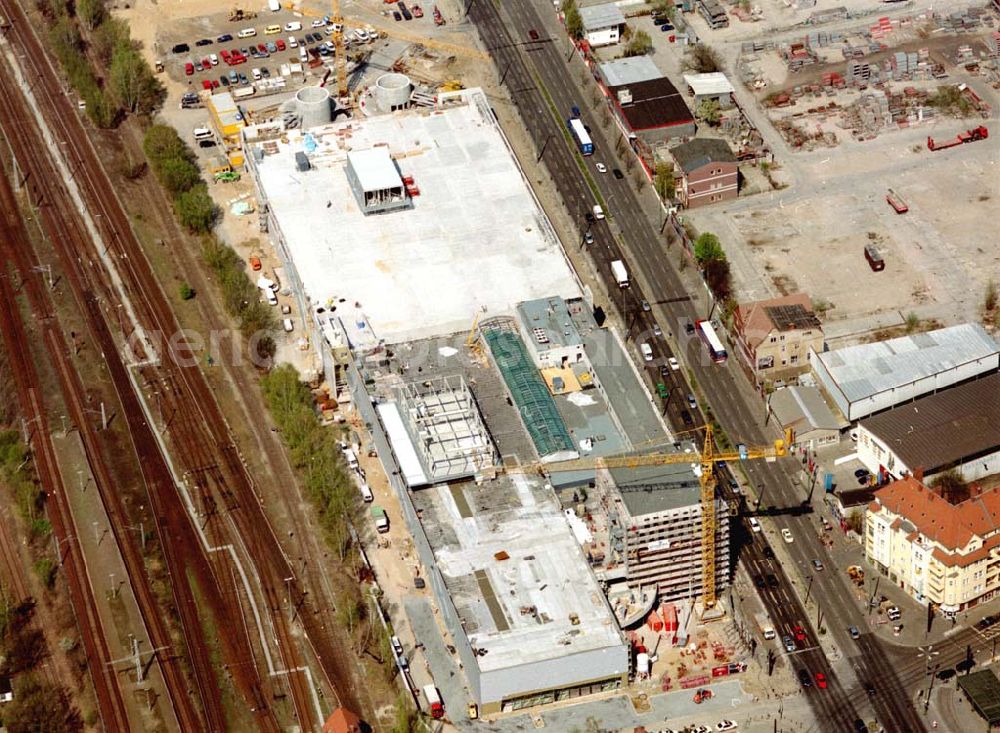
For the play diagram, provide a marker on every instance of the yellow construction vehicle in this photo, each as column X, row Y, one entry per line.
column 452, row 85
column 709, row 457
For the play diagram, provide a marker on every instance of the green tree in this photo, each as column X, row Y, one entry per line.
column 90, row 12
column 178, row 175
column 574, row 23
column 186, row 291
column 133, row 82
column 856, row 522
column 196, row 210
column 663, row 181
column 709, row 112
column 718, row 278
column 639, row 45
column 953, row 487
column 109, row 35
column 162, row 142
column 702, row 59
column 40, row 706
column 707, row 247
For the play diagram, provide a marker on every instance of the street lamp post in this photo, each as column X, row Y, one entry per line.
column 927, row 702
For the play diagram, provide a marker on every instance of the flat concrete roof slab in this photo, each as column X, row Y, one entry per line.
column 475, row 241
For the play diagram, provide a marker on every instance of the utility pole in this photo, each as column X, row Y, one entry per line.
column 809, row 588
column 927, row 702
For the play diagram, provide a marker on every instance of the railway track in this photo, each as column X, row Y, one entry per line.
column 110, row 703
column 63, row 230
column 199, row 435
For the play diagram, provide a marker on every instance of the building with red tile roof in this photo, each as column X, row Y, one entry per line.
column 342, row 720
column 937, row 551
column 774, row 337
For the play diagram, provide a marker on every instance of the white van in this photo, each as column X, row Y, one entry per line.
column 303, row 54
column 361, row 36
column 202, row 133
column 293, row 42
column 286, row 324
column 366, row 493
column 351, row 458
column 247, row 33
column 598, row 212
column 274, row 5
column 255, row 72
column 293, row 26
column 271, row 298
column 647, row 351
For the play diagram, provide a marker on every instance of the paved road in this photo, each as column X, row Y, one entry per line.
column 648, row 260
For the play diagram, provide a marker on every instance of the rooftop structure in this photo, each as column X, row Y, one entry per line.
column 957, row 428
column 629, row 70
column 427, row 259
column 531, row 608
column 375, row 181
column 702, row 151
column 805, row 412
column 651, row 105
column 869, row 378
column 548, row 329
column 445, row 432
column 708, row 85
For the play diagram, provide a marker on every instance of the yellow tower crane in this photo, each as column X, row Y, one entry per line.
column 709, row 457
column 340, row 53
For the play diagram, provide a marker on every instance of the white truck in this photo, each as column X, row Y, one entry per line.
column 764, row 622
column 620, row 273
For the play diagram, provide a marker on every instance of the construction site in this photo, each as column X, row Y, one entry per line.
column 895, row 73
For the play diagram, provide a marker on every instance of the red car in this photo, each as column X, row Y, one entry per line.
column 820, row 680
column 262, row 47
column 280, row 44
column 533, row 34
column 800, row 634
column 206, row 84
column 188, row 69
column 206, row 64
column 225, row 55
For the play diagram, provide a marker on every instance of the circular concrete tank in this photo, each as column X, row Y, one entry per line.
column 392, row 91
column 314, row 106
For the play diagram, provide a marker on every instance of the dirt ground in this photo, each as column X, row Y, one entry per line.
column 810, row 238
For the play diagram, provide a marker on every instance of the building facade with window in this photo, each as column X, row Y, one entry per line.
column 938, row 552
column 773, row 337
column 708, row 172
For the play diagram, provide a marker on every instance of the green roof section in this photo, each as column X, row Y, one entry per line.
column 983, row 690
column 531, row 395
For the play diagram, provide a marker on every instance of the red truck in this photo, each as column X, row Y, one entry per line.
column 434, row 701
column 976, row 133
column 896, row 202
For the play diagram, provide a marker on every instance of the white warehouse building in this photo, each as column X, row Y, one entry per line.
column 865, row 379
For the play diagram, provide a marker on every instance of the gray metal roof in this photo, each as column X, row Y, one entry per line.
column 803, row 408
column 629, row 70
column 870, row 369
column 946, row 428
column 596, row 17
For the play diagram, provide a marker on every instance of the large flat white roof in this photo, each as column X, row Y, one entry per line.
column 475, row 241
column 516, row 573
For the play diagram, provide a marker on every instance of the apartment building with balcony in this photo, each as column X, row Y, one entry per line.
column 655, row 518
column 938, row 552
